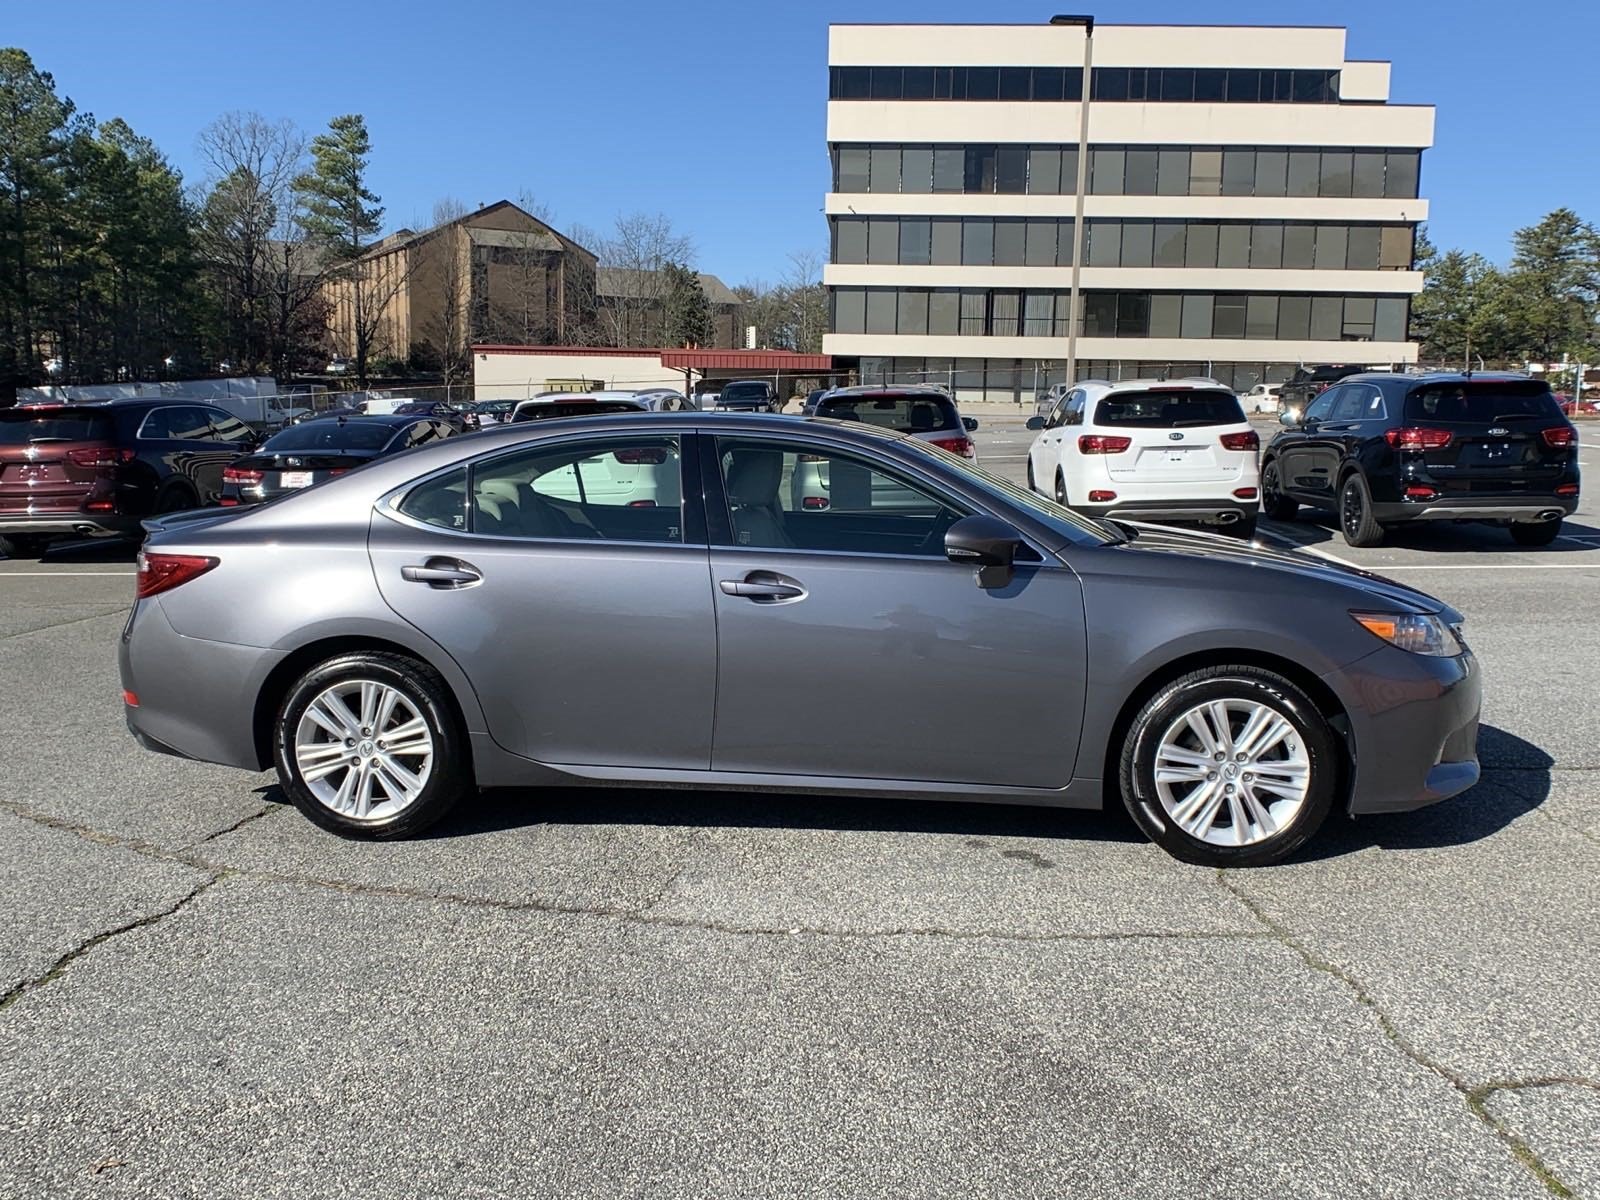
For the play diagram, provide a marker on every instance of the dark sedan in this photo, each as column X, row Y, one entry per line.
column 476, row 614
column 460, row 419
column 313, row 451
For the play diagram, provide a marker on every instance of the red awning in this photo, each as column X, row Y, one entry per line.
column 760, row 361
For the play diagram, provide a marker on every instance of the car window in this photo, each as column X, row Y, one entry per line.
column 1482, row 401
column 787, row 496
column 338, row 434
column 177, row 422
column 913, row 412
column 1169, row 409
column 1358, row 402
column 626, row 488
column 22, row 426
column 229, row 428
column 1319, row 408
column 1074, row 412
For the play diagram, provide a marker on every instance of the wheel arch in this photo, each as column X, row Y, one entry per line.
column 1327, row 702
column 270, row 696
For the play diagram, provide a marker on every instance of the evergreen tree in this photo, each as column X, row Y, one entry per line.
column 686, row 315
column 1552, row 293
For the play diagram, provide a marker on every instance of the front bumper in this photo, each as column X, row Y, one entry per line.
column 1413, row 727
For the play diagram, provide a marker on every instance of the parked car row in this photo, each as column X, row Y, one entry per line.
column 1381, row 449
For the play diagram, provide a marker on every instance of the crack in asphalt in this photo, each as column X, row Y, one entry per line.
column 71, row 956
column 1475, row 1097
column 115, row 612
column 264, row 810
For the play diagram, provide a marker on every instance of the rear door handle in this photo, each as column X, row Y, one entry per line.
column 764, row 587
column 443, row 573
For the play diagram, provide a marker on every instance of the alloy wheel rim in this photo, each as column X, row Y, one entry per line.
column 1232, row 772
column 1061, row 491
column 364, row 750
column 1352, row 508
column 1269, row 485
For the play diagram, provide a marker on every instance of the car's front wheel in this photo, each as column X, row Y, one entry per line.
column 1274, row 503
column 1542, row 534
column 366, row 745
column 1230, row 766
column 1061, row 490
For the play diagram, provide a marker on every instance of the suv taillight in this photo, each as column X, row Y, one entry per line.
column 959, row 444
column 162, row 572
column 242, row 475
column 1414, row 437
column 98, row 456
column 1248, row 440
column 1560, row 437
column 1102, row 443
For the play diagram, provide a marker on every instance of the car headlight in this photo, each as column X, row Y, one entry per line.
column 1418, row 633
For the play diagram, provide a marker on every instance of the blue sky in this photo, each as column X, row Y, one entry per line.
column 713, row 113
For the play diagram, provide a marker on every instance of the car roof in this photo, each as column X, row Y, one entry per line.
column 1193, row 383
column 1423, row 377
column 889, row 389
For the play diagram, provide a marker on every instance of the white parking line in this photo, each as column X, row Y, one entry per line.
column 1387, row 569
column 1292, row 544
column 59, row 574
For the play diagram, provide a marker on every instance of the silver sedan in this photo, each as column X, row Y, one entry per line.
column 470, row 615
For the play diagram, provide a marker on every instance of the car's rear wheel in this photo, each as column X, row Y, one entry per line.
column 1542, row 534
column 23, row 545
column 1360, row 527
column 1230, row 766
column 1061, row 489
column 366, row 745
column 1244, row 528
column 1274, row 503
column 1032, row 484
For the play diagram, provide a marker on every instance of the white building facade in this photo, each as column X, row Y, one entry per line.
column 1251, row 204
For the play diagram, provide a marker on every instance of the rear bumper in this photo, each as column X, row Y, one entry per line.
column 1520, row 507
column 1413, row 727
column 1196, row 512
column 80, row 523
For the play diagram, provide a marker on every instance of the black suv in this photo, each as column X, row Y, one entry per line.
column 1307, row 383
column 1383, row 449
column 95, row 469
column 749, row 395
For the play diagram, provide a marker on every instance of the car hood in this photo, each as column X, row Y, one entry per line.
column 1159, row 539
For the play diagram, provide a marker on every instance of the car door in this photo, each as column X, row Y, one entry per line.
column 849, row 646
column 1303, row 464
column 189, row 448
column 1356, row 414
column 1046, row 449
column 584, row 648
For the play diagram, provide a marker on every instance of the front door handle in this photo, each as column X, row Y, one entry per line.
column 764, row 587
column 443, row 573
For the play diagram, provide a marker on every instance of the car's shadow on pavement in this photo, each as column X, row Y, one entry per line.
column 1516, row 780
column 511, row 808
column 1317, row 527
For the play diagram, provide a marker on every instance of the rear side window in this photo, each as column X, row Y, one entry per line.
column 1482, row 403
column 904, row 414
column 1169, row 410
column 21, row 427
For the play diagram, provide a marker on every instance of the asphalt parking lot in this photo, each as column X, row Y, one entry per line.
column 620, row 992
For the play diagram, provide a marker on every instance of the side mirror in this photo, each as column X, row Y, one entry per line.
column 986, row 543
column 1289, row 418
column 1035, row 423
column 970, row 424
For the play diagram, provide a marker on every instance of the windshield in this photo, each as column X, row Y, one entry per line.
column 756, row 391
column 19, row 427
column 1482, row 402
column 916, row 412
column 1169, row 410
column 331, row 435
column 1081, row 530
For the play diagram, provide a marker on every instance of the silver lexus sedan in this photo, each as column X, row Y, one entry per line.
column 473, row 614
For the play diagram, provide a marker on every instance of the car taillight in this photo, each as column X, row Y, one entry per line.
column 242, row 475
column 1560, row 437
column 961, row 445
column 1567, row 489
column 98, row 456
column 1414, row 437
column 814, row 502
column 1247, row 440
column 1101, row 497
column 1418, row 491
column 162, row 572
column 1101, row 443
column 1244, row 493
column 641, row 503
column 650, row 455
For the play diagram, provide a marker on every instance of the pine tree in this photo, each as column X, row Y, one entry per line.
column 686, row 316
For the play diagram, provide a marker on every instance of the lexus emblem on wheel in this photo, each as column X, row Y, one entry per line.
column 1175, row 436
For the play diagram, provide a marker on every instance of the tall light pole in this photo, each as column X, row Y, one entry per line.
column 1075, row 304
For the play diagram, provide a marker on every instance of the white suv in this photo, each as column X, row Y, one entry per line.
column 1175, row 450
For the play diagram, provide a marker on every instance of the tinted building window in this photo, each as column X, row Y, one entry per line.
column 1363, row 248
column 1044, row 170
column 1272, row 168
column 1389, row 324
column 885, row 169
column 880, row 310
column 1169, row 244
column 1106, row 172
column 1233, row 246
column 849, row 310
column 1139, row 175
column 1010, row 238
column 946, row 241
column 1016, row 83
column 1337, row 166
column 1210, row 85
column 1133, row 314
column 1299, row 247
column 1394, row 250
column 1011, row 169
column 944, row 313
column 918, row 83
column 1205, row 172
column 913, row 312
column 883, row 240
column 887, row 83
column 850, row 240
column 983, row 83
column 979, row 169
column 1049, row 83
column 1332, row 246
column 916, row 169
column 1228, row 317
column 1294, row 317
column 949, row 168
column 1201, row 250
column 1400, row 174
column 1172, row 172
column 1238, row 172
column 1166, row 315
column 1266, row 247
column 853, row 167
column 977, row 243
column 1261, row 317
column 1196, row 316
column 1041, row 250
column 915, row 236
column 1326, row 314
column 1367, row 177
column 1305, row 171
column 1138, row 243
column 1105, row 244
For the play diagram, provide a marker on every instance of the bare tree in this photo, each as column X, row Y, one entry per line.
column 246, row 203
column 807, row 301
column 633, row 289
column 441, row 287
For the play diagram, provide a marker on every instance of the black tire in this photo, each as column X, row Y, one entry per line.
column 176, row 499
column 450, row 776
column 1274, row 504
column 1032, row 486
column 1258, row 686
column 1541, row 534
column 1061, row 491
column 24, row 545
column 1243, row 529
column 1355, row 513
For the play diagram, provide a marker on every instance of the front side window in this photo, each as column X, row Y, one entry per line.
column 788, row 496
column 1319, row 408
column 229, row 428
